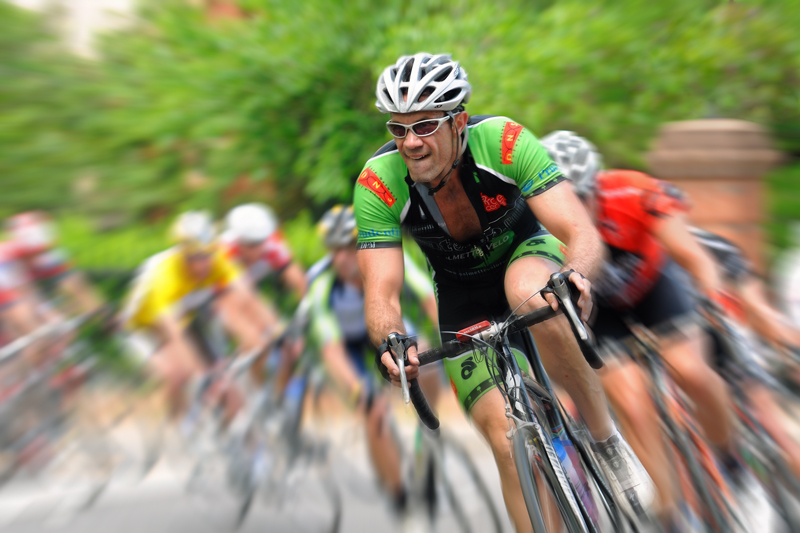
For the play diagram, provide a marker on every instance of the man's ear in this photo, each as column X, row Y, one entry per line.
column 461, row 121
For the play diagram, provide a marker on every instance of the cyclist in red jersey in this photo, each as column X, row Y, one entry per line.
column 253, row 239
column 642, row 221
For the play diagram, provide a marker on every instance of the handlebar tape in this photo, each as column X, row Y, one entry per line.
column 421, row 405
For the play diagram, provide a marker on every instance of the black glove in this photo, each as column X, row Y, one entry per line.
column 383, row 348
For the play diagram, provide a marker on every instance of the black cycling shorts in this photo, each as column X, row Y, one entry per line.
column 668, row 305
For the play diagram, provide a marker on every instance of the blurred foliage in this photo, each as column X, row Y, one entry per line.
column 179, row 105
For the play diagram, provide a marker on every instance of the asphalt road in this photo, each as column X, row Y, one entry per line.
column 160, row 502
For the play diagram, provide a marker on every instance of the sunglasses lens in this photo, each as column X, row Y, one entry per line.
column 425, row 127
column 397, row 130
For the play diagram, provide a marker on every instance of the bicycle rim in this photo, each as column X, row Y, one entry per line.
column 531, row 455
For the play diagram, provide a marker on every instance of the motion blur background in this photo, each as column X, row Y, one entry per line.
column 118, row 114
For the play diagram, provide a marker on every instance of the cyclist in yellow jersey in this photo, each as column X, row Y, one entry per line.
column 171, row 287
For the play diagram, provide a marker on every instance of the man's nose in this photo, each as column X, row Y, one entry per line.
column 411, row 140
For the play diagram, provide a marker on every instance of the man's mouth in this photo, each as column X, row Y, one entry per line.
column 418, row 158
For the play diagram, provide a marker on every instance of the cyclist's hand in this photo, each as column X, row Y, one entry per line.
column 585, row 303
column 412, row 369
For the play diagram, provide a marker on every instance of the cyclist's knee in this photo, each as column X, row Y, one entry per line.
column 525, row 277
column 488, row 415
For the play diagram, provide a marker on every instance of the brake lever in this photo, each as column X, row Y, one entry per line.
column 396, row 346
column 561, row 290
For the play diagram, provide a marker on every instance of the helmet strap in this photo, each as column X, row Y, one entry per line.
column 458, row 151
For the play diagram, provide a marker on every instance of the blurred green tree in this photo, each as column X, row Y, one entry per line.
column 180, row 105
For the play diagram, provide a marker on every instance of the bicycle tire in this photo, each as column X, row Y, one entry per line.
column 528, row 441
column 591, row 469
column 451, row 448
column 687, row 454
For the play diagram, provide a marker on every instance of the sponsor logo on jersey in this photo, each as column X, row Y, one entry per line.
column 493, row 204
column 510, row 135
column 369, row 180
column 394, row 232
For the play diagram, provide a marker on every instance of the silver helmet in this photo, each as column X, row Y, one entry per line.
column 437, row 79
column 338, row 226
column 577, row 158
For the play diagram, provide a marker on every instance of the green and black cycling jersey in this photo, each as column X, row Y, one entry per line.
column 503, row 165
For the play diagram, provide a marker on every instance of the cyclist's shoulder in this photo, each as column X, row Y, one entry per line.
column 382, row 181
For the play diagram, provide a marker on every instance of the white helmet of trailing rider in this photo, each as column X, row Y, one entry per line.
column 577, row 158
column 251, row 223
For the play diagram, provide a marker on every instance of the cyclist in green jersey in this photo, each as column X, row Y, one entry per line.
column 476, row 193
column 336, row 324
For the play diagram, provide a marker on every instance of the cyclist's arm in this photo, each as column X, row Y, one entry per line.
column 673, row 233
column 560, row 211
column 294, row 278
column 383, row 273
column 763, row 317
column 245, row 303
column 339, row 367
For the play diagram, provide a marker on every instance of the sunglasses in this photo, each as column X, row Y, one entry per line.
column 423, row 128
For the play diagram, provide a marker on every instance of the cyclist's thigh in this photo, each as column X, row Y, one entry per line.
column 668, row 310
column 530, row 267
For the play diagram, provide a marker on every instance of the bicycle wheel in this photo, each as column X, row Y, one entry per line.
column 296, row 489
column 601, row 497
column 687, row 459
column 534, row 453
column 472, row 504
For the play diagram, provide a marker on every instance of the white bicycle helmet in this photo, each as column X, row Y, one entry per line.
column 338, row 226
column 577, row 158
column 437, row 78
column 194, row 232
column 33, row 231
column 251, row 222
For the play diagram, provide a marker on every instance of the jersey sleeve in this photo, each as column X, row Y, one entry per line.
column 380, row 195
column 224, row 270
column 533, row 170
column 516, row 154
column 276, row 252
column 659, row 200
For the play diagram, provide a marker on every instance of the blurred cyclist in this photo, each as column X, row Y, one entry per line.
column 170, row 288
column 750, row 313
column 253, row 239
column 338, row 327
column 34, row 236
column 37, row 283
column 642, row 221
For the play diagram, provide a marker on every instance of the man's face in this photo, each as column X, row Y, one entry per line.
column 250, row 252
column 198, row 265
column 345, row 264
column 427, row 157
